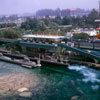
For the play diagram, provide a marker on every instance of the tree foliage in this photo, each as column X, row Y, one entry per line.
column 80, row 36
column 33, row 24
column 43, row 24
column 58, row 20
column 11, row 33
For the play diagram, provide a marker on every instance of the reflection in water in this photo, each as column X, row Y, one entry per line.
column 54, row 83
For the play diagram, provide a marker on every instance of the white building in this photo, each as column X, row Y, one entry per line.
column 90, row 32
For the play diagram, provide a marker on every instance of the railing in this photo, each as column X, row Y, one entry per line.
column 88, row 45
column 10, row 44
column 82, row 52
column 83, row 43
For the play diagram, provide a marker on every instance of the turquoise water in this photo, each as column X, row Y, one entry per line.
column 58, row 83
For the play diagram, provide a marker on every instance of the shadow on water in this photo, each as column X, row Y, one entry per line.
column 60, row 83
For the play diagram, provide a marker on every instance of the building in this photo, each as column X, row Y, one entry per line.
column 68, row 12
column 90, row 32
column 42, row 38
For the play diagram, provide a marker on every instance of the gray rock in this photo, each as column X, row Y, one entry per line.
column 23, row 89
column 25, row 94
column 75, row 98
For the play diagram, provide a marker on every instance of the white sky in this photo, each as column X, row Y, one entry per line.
column 31, row 6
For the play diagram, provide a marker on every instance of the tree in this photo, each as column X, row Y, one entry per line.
column 30, row 24
column 90, row 21
column 67, row 20
column 80, row 36
column 42, row 26
column 11, row 33
column 93, row 15
column 58, row 20
column 33, row 24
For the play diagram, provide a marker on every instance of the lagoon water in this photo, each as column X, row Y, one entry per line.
column 57, row 83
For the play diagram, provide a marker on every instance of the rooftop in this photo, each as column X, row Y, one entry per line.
column 44, row 36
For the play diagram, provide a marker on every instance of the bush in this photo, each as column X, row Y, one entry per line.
column 80, row 36
column 11, row 33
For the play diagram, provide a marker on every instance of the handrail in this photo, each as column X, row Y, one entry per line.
column 80, row 52
column 10, row 44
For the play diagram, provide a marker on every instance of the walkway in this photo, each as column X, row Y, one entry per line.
column 79, row 51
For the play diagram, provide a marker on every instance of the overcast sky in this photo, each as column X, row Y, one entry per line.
column 31, row 6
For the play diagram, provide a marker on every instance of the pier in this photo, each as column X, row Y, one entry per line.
column 53, row 46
